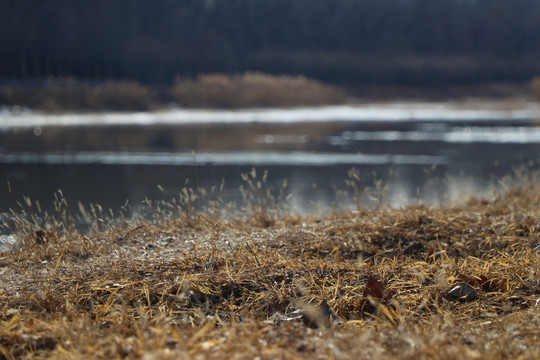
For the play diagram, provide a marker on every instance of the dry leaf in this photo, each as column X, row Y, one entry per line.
column 374, row 288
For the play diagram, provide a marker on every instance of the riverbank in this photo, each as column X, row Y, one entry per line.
column 248, row 90
column 191, row 282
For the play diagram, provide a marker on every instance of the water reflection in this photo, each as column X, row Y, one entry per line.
column 310, row 186
column 402, row 153
column 386, row 112
column 251, row 158
column 457, row 134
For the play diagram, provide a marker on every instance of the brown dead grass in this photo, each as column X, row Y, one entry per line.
column 254, row 90
column 359, row 284
column 535, row 85
column 70, row 95
column 207, row 90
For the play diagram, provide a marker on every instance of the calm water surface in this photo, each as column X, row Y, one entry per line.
column 429, row 154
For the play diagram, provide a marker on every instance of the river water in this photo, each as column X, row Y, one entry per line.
column 401, row 153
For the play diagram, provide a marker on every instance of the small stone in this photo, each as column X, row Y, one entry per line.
column 463, row 292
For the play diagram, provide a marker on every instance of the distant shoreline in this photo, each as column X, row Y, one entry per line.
column 481, row 92
column 245, row 91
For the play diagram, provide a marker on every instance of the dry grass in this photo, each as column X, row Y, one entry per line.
column 194, row 282
column 70, row 95
column 535, row 85
column 253, row 90
column 209, row 90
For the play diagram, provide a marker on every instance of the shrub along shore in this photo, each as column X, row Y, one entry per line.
column 197, row 282
column 208, row 90
column 247, row 90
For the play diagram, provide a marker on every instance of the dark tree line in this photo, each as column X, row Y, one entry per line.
column 411, row 42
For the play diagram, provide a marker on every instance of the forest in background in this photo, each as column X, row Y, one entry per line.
column 345, row 42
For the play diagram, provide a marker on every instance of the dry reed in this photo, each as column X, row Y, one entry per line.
column 207, row 90
column 535, row 85
column 70, row 95
column 253, row 90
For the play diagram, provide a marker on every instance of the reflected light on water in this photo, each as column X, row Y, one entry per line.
column 391, row 112
column 468, row 134
column 267, row 158
column 412, row 149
